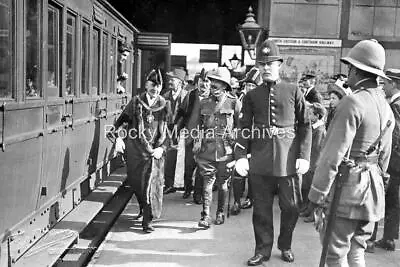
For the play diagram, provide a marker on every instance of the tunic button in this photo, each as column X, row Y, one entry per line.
column 273, row 114
column 272, row 107
column 272, row 101
column 271, row 94
column 274, row 120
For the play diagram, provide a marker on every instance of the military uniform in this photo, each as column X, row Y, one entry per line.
column 218, row 118
column 278, row 111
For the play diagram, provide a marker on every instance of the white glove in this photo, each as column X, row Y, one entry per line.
column 242, row 166
column 302, row 166
column 158, row 152
column 119, row 145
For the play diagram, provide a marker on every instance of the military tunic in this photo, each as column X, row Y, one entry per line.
column 218, row 118
column 357, row 124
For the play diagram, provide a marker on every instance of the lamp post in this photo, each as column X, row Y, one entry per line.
column 250, row 33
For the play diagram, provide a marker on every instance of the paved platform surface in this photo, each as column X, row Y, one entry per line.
column 178, row 242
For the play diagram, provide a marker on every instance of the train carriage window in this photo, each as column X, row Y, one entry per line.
column 53, row 52
column 85, row 59
column 32, row 42
column 105, row 64
column 113, row 59
column 95, row 61
column 5, row 49
column 70, row 55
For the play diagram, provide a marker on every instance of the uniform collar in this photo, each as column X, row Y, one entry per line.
column 365, row 84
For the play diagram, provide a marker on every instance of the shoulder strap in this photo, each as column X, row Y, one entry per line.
column 377, row 142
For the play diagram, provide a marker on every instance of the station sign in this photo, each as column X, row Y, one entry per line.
column 307, row 42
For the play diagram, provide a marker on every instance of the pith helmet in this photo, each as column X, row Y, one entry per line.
column 268, row 52
column 220, row 74
column 369, row 56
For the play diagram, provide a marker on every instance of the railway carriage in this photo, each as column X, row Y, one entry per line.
column 59, row 63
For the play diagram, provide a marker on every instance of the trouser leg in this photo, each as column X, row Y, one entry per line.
column 208, row 171
column 288, row 202
column 348, row 242
column 392, row 209
column 198, row 183
column 169, row 170
column 189, row 167
column 222, row 182
column 264, row 189
column 238, row 184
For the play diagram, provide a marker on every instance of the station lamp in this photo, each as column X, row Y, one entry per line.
column 235, row 62
column 250, row 33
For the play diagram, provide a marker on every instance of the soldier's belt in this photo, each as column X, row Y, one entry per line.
column 365, row 159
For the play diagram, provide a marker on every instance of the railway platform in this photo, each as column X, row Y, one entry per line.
column 177, row 241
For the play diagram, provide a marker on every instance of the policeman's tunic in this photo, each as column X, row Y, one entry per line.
column 279, row 113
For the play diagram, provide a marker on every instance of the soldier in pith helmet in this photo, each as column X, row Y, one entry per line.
column 274, row 124
column 358, row 141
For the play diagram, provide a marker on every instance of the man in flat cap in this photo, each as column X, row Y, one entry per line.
column 175, row 96
column 357, row 151
column 392, row 205
column 310, row 92
column 274, row 123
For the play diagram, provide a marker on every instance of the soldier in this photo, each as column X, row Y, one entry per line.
column 175, row 96
column 146, row 142
column 392, row 207
column 274, row 123
column 360, row 136
column 218, row 117
column 310, row 92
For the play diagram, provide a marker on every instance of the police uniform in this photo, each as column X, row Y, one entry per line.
column 357, row 124
column 278, row 111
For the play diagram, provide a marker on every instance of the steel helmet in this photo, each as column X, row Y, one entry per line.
column 367, row 55
column 220, row 74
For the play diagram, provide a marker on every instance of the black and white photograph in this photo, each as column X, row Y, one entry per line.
column 199, row 133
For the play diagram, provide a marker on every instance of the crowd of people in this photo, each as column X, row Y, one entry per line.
column 281, row 139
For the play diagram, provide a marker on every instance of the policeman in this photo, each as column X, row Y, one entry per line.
column 218, row 116
column 275, row 124
column 359, row 121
